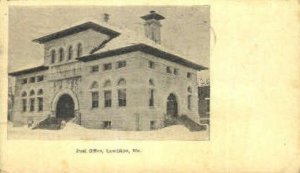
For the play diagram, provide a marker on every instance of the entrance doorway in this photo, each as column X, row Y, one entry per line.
column 65, row 107
column 172, row 106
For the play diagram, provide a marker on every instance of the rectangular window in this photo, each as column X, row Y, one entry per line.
column 32, row 104
column 40, row 78
column 189, row 103
column 24, row 105
column 122, row 97
column 151, row 97
column 95, row 99
column 107, row 98
column 40, row 103
column 151, row 64
column 107, row 66
column 32, row 79
column 95, row 68
column 121, row 64
column 175, row 71
column 168, row 69
column 152, row 125
column 189, row 75
column 207, row 104
column 107, row 124
column 24, row 81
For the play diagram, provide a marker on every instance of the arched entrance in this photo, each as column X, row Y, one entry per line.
column 172, row 106
column 65, row 108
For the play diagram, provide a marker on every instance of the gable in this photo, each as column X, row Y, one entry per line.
column 77, row 29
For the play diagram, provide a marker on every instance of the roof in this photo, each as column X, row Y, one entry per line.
column 76, row 29
column 121, row 41
column 29, row 70
column 129, row 41
column 153, row 15
column 144, row 48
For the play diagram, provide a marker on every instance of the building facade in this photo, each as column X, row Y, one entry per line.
column 104, row 77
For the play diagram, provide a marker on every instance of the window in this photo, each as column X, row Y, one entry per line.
column 121, row 64
column 53, row 56
column 151, row 64
column 168, row 69
column 32, row 104
column 189, row 98
column 40, row 103
column 151, row 98
column 31, row 93
column 152, row 125
column 24, row 81
column 189, row 75
column 24, row 105
column 40, row 100
column 121, row 82
column 151, row 83
column 107, row 98
column 94, row 85
column 107, row 83
column 189, row 102
column 32, row 80
column 24, row 101
column 61, row 54
column 122, row 92
column 207, row 104
column 122, row 97
column 95, row 99
column 40, row 92
column 189, row 89
column 40, row 78
column 70, row 53
column 79, row 49
column 107, row 66
column 175, row 71
column 24, row 94
column 107, row 124
column 95, row 68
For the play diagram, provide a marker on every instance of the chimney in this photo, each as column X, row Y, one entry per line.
column 105, row 17
column 152, row 26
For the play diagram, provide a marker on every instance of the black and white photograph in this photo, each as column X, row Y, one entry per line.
column 109, row 73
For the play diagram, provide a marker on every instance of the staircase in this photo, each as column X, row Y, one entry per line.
column 190, row 124
column 51, row 123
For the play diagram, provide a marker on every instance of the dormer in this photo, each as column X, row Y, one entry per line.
column 66, row 45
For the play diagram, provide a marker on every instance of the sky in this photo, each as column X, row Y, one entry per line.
column 185, row 29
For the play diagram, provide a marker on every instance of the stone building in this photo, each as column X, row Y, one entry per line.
column 106, row 77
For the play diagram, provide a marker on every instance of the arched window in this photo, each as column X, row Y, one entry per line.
column 121, row 82
column 107, row 83
column 40, row 92
column 24, row 94
column 189, row 89
column 32, row 100
column 122, row 92
column 79, row 49
column 31, row 93
column 40, row 100
column 151, row 83
column 24, row 101
column 61, row 54
column 94, row 85
column 107, row 93
column 70, row 53
column 53, row 56
column 95, row 94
